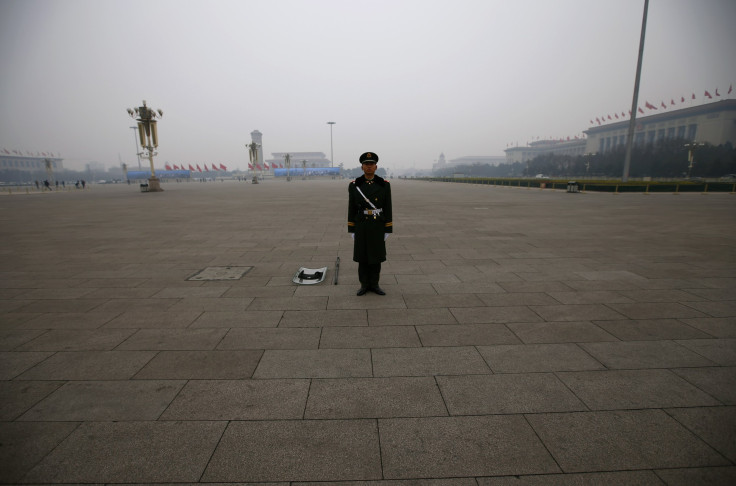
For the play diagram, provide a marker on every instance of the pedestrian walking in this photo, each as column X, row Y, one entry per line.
column 370, row 222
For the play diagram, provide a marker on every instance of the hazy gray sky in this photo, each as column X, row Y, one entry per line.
column 407, row 79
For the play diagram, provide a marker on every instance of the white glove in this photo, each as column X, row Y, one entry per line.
column 385, row 236
column 352, row 235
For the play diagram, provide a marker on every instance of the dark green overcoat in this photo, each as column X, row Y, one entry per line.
column 369, row 245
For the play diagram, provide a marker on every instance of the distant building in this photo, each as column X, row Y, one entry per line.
column 15, row 160
column 311, row 159
column 477, row 160
column 467, row 160
column 572, row 147
column 714, row 123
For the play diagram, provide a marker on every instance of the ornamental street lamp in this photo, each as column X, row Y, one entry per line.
column 137, row 150
column 148, row 134
column 332, row 160
column 253, row 154
column 690, row 155
column 287, row 161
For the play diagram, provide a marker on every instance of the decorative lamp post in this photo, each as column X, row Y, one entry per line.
column 253, row 154
column 691, row 156
column 332, row 160
column 287, row 161
column 304, row 170
column 148, row 134
column 137, row 150
column 49, row 169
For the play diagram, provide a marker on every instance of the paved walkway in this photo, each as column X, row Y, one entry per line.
column 528, row 337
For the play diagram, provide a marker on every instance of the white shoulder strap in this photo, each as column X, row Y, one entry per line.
column 366, row 199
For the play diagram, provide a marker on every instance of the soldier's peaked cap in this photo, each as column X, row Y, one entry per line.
column 369, row 157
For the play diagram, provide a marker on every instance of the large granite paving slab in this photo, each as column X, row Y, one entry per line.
column 105, row 400
column 239, row 400
column 374, row 398
column 507, row 393
column 24, row 444
column 634, row 389
column 428, row 361
column 644, row 354
column 296, row 450
column 89, row 365
column 201, row 365
column 530, row 358
column 448, row 447
column 131, row 452
column 317, row 363
column 621, row 440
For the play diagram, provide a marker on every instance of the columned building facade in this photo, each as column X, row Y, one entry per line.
column 13, row 161
column 572, row 148
column 713, row 123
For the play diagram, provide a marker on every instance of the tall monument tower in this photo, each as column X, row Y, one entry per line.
column 257, row 138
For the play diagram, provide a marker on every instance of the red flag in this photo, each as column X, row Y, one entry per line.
column 717, row 93
column 730, row 88
column 214, row 167
column 591, row 122
column 250, row 166
column 641, row 111
column 609, row 117
column 223, row 167
column 664, row 106
column 258, row 166
column 672, row 102
column 167, row 167
column 199, row 168
column 176, row 167
column 682, row 100
column 708, row 94
column 693, row 95
column 616, row 115
column 265, row 166
column 650, row 106
column 190, row 167
column 598, row 120
column 623, row 115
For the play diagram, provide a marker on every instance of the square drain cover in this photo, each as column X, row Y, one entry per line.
column 220, row 273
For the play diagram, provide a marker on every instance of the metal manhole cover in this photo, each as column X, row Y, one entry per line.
column 220, row 273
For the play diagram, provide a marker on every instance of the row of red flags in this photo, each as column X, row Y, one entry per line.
column 38, row 154
column 274, row 165
column 206, row 169
column 650, row 106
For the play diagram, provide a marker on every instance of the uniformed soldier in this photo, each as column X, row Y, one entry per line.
column 369, row 222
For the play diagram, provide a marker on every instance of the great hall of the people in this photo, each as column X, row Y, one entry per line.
column 713, row 123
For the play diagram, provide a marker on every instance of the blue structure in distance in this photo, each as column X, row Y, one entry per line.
column 311, row 171
column 161, row 174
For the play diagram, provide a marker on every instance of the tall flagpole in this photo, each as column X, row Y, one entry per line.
column 635, row 101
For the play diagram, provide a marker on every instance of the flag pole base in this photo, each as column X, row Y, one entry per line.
column 154, row 185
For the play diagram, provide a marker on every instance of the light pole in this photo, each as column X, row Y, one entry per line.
column 635, row 100
column 332, row 160
column 148, row 134
column 253, row 154
column 137, row 150
column 690, row 155
column 287, row 161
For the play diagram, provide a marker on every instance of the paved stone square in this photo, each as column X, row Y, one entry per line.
column 528, row 337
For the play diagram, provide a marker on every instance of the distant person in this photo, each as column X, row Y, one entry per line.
column 37, row 185
column 369, row 222
column 47, row 185
column 84, row 183
column 76, row 184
